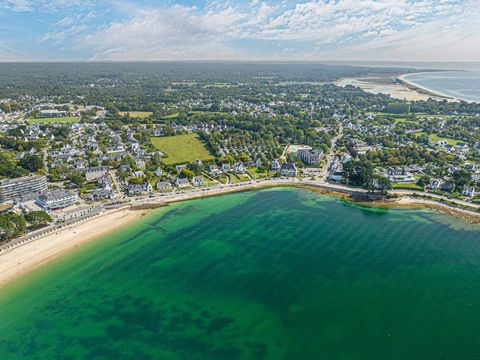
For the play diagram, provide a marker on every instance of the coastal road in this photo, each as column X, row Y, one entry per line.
column 175, row 196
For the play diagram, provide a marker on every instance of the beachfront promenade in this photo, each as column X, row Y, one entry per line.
column 195, row 193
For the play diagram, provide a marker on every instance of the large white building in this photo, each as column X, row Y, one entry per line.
column 56, row 199
column 310, row 157
column 23, row 188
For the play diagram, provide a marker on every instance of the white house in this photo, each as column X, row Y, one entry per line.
column 182, row 182
column 239, row 168
column 275, row 165
column 198, row 180
column 289, row 169
column 468, row 191
column 163, row 185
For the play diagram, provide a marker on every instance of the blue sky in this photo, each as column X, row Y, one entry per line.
column 398, row 30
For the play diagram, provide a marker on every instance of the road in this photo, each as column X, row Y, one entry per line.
column 330, row 158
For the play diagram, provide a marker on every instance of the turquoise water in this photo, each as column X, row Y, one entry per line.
column 458, row 84
column 273, row 274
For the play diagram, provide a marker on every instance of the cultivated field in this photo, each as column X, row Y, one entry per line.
column 181, row 148
column 53, row 120
column 136, row 114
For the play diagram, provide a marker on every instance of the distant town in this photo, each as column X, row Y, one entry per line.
column 72, row 152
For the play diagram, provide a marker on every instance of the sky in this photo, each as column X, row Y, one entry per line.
column 309, row 30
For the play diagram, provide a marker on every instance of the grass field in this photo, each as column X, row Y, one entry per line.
column 136, row 114
column 407, row 186
column 181, row 148
column 257, row 174
column 208, row 113
column 194, row 113
column 435, row 137
column 171, row 116
column 69, row 120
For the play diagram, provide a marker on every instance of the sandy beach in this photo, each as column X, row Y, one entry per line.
column 397, row 87
column 23, row 259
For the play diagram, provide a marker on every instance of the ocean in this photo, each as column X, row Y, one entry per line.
column 463, row 85
column 460, row 80
column 271, row 274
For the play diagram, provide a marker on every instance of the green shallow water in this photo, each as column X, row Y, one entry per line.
column 273, row 274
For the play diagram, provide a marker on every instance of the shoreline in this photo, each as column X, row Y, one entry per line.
column 26, row 257
column 411, row 203
column 424, row 90
column 397, row 87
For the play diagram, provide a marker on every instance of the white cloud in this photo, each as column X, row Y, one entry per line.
column 443, row 40
column 43, row 5
column 178, row 32
column 16, row 5
column 322, row 29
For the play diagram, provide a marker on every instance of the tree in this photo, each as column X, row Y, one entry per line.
column 38, row 218
column 461, row 177
column 33, row 163
column 196, row 168
column 6, row 107
column 186, row 173
column 359, row 173
column 398, row 108
column 424, row 181
column 11, row 225
column 381, row 183
column 77, row 179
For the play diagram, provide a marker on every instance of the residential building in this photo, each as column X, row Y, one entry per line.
column 136, row 189
column 239, row 168
column 180, row 167
column 182, row 182
column 288, row 169
column 310, row 157
column 336, row 176
column 198, row 180
column 56, row 199
column 468, row 191
column 94, row 173
column 53, row 113
column 163, row 185
column 214, row 170
column 275, row 166
column 23, row 188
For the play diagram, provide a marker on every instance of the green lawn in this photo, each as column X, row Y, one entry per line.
column 69, row 120
column 171, row 116
column 198, row 112
column 408, row 186
column 184, row 83
column 257, row 174
column 404, row 120
column 435, row 137
column 136, row 114
column 181, row 148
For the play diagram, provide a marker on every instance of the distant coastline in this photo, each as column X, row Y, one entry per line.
column 424, row 90
column 397, row 86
